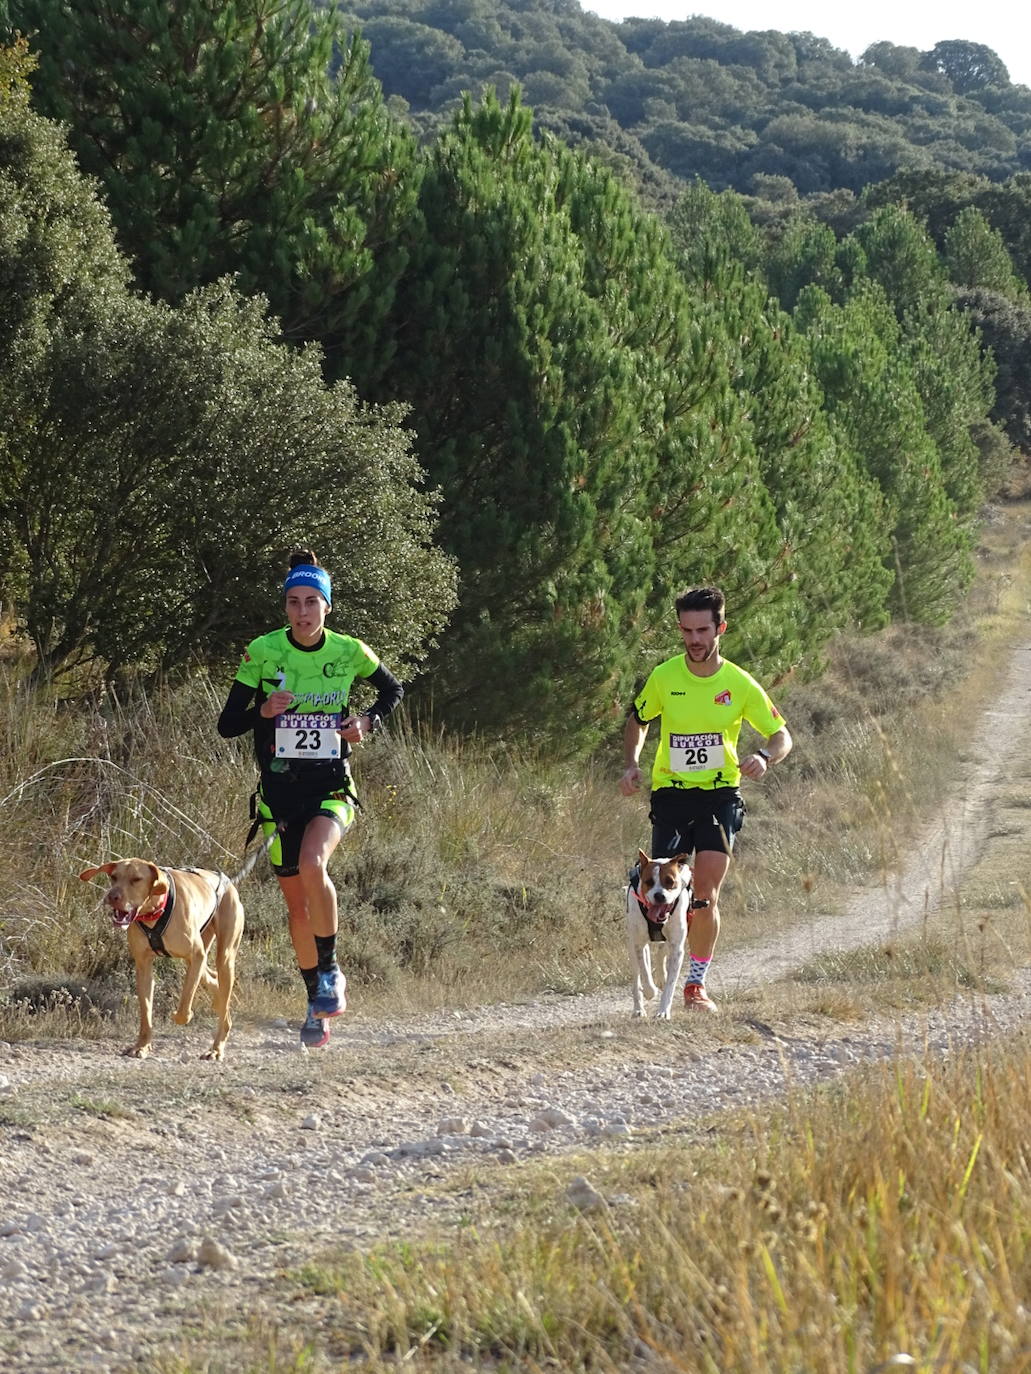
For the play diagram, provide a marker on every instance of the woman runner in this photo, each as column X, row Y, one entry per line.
column 292, row 691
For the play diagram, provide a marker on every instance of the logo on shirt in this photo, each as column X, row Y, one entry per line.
column 722, row 699
column 776, row 713
column 246, row 656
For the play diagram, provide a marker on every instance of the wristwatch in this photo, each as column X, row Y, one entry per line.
column 765, row 754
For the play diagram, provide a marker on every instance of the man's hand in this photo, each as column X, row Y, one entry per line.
column 754, row 766
column 630, row 782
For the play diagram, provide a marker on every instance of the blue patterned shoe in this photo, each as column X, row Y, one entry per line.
column 331, row 998
column 314, row 1032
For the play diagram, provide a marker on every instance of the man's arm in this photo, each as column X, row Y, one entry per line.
column 634, row 735
column 778, row 747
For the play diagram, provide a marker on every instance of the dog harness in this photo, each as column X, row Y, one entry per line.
column 155, row 929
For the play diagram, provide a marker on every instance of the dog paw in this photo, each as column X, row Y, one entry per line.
column 214, row 1053
column 639, row 1013
column 182, row 1018
column 136, row 1052
column 661, row 1015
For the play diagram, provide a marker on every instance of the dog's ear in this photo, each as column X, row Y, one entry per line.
column 645, row 860
column 158, row 881
column 683, row 859
column 89, row 873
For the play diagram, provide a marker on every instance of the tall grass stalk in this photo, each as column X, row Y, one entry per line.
column 884, row 1218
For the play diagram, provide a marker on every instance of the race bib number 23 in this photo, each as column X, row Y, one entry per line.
column 303, row 735
column 695, row 753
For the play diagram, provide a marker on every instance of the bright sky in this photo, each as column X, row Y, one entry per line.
column 1002, row 25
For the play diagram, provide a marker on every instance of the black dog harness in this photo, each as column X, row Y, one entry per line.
column 155, row 931
column 655, row 917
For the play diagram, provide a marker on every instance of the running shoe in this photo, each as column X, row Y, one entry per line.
column 697, row 999
column 330, row 997
column 314, row 1031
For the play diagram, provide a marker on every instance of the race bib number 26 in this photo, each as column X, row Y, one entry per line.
column 695, row 753
column 303, row 735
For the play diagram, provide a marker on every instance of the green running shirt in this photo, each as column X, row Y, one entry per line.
column 701, row 721
column 319, row 678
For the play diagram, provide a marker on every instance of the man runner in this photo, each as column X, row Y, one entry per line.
column 700, row 700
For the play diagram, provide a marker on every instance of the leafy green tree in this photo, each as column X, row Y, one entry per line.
column 246, row 137
column 891, row 58
column 155, row 462
column 17, row 64
column 410, row 58
column 969, row 66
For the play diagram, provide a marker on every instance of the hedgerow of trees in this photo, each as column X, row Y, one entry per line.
column 157, row 462
column 787, row 394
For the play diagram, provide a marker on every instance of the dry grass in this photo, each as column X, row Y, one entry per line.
column 884, row 1218
column 497, row 874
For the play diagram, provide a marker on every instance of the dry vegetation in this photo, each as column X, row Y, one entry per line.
column 883, row 1223
column 886, row 1218
column 456, row 873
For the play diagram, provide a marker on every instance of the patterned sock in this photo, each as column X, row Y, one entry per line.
column 327, row 948
column 699, row 968
column 311, row 980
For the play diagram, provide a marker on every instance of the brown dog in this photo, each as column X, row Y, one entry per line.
column 176, row 911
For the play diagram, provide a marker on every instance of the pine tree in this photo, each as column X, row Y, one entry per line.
column 242, row 137
column 827, row 569
column 568, row 403
column 977, row 258
column 875, row 407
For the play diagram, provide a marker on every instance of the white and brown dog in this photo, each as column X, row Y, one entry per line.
column 176, row 911
column 657, row 915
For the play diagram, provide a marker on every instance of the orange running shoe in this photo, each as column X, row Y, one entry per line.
column 697, row 999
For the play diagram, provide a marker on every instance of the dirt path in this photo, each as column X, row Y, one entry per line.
column 139, row 1201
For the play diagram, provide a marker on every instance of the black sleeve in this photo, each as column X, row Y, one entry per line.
column 389, row 692
column 238, row 714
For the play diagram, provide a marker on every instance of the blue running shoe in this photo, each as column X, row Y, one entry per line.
column 330, row 998
column 314, row 1031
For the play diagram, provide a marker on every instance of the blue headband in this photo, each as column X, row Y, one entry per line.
column 307, row 575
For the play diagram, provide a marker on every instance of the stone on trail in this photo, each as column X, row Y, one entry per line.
column 215, row 1256
column 583, row 1195
column 550, row 1118
column 453, row 1125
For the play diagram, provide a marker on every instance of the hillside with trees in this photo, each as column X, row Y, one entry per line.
column 697, row 98
column 514, row 407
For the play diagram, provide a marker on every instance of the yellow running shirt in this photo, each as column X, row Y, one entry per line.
column 701, row 720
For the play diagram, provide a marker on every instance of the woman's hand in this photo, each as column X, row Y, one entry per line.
column 276, row 704
column 355, row 728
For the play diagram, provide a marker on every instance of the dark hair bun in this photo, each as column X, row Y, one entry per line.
column 300, row 556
